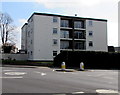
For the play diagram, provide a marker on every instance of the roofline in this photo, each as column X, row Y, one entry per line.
column 24, row 24
column 47, row 14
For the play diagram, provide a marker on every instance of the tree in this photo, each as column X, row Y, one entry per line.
column 6, row 27
column 9, row 48
column 6, row 32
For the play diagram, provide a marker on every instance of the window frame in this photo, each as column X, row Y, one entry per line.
column 90, row 23
column 55, row 19
column 90, row 43
column 64, row 34
column 64, row 23
column 55, row 42
column 78, row 24
column 55, row 30
column 55, row 53
column 90, row 32
column 78, row 35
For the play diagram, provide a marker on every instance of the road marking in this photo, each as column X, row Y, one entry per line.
column 37, row 72
column 11, row 77
column 108, row 78
column 92, row 70
column 15, row 73
column 9, row 70
column 43, row 74
column 77, row 92
column 106, row 91
column 59, row 94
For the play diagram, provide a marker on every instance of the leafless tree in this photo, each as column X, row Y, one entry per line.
column 6, row 27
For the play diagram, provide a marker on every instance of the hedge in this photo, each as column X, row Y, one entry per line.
column 91, row 59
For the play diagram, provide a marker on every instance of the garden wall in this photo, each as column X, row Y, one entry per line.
column 14, row 56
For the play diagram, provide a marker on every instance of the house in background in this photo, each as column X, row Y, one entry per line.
column 46, row 35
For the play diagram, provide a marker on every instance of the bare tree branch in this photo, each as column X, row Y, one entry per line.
column 6, row 27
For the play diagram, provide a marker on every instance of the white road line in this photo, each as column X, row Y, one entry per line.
column 11, row 77
column 59, row 94
column 37, row 72
column 8, row 70
column 15, row 73
column 109, row 78
column 43, row 74
column 77, row 92
column 92, row 70
column 106, row 91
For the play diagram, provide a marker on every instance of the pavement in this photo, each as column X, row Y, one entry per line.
column 41, row 80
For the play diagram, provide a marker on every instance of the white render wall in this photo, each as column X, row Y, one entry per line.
column 43, row 37
column 24, row 38
column 99, row 37
column 40, row 37
column 30, row 37
column 119, row 24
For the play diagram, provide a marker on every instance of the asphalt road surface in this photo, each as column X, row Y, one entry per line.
column 32, row 79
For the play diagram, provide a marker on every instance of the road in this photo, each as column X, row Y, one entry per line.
column 32, row 79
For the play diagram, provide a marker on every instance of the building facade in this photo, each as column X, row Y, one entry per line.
column 119, row 24
column 46, row 35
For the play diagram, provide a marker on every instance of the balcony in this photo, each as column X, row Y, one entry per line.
column 65, row 24
column 65, row 35
column 79, row 29
column 79, row 35
column 79, row 25
column 80, row 45
column 65, row 45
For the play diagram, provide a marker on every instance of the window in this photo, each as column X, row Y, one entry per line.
column 31, row 52
column 90, row 23
column 28, row 33
column 55, row 19
column 31, row 41
column 64, row 44
column 54, row 53
column 64, row 23
column 54, row 41
column 78, row 24
column 90, row 43
column 31, row 30
column 64, row 34
column 79, row 45
column 79, row 35
column 54, row 30
column 90, row 33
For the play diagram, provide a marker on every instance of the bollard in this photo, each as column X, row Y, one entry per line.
column 82, row 66
column 63, row 66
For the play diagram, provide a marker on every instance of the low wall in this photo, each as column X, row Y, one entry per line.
column 14, row 56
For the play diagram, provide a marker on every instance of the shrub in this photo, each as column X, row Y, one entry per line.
column 91, row 59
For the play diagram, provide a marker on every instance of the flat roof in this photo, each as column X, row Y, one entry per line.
column 75, row 17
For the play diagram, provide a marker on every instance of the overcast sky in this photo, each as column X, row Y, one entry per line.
column 21, row 10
